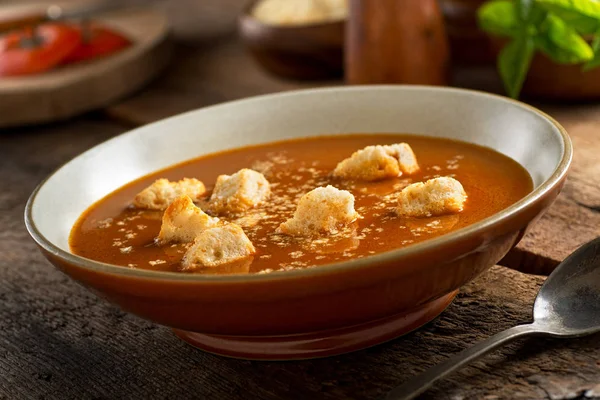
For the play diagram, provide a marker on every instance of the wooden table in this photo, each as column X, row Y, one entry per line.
column 59, row 341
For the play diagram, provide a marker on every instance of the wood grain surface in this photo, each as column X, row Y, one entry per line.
column 58, row 341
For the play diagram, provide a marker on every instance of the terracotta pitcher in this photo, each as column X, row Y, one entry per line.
column 396, row 41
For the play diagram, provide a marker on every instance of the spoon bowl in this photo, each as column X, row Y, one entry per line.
column 568, row 303
column 567, row 306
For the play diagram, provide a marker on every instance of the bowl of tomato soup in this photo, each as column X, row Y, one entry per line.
column 303, row 224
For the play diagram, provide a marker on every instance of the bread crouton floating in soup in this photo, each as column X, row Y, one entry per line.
column 218, row 246
column 182, row 221
column 322, row 210
column 436, row 196
column 239, row 192
column 375, row 163
column 162, row 192
column 378, row 200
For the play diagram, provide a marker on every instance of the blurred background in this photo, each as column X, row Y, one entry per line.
column 142, row 60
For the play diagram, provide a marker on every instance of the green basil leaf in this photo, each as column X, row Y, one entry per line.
column 562, row 43
column 498, row 17
column 538, row 16
column 595, row 62
column 513, row 64
column 583, row 15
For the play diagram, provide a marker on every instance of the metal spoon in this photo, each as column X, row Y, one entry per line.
column 567, row 305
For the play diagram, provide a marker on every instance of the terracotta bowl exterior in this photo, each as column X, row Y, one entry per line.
column 320, row 311
column 547, row 80
column 551, row 81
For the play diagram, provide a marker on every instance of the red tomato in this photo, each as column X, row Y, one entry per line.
column 100, row 42
column 56, row 42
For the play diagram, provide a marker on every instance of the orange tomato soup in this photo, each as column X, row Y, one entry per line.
column 114, row 232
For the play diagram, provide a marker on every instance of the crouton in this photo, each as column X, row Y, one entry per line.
column 407, row 160
column 324, row 209
column 378, row 162
column 162, row 192
column 217, row 246
column 182, row 221
column 239, row 192
column 434, row 197
column 241, row 266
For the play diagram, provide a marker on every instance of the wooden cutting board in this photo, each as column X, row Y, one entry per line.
column 71, row 90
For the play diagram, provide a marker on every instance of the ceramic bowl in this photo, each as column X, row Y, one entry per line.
column 322, row 311
column 300, row 52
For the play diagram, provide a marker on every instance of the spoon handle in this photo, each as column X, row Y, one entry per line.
column 415, row 387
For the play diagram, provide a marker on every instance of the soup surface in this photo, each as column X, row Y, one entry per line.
column 113, row 232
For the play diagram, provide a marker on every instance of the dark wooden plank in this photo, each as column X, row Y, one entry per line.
column 201, row 74
column 59, row 341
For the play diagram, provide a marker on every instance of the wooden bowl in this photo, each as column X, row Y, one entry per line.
column 301, row 52
column 74, row 89
column 333, row 308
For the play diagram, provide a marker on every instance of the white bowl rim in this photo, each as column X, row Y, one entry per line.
column 422, row 247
